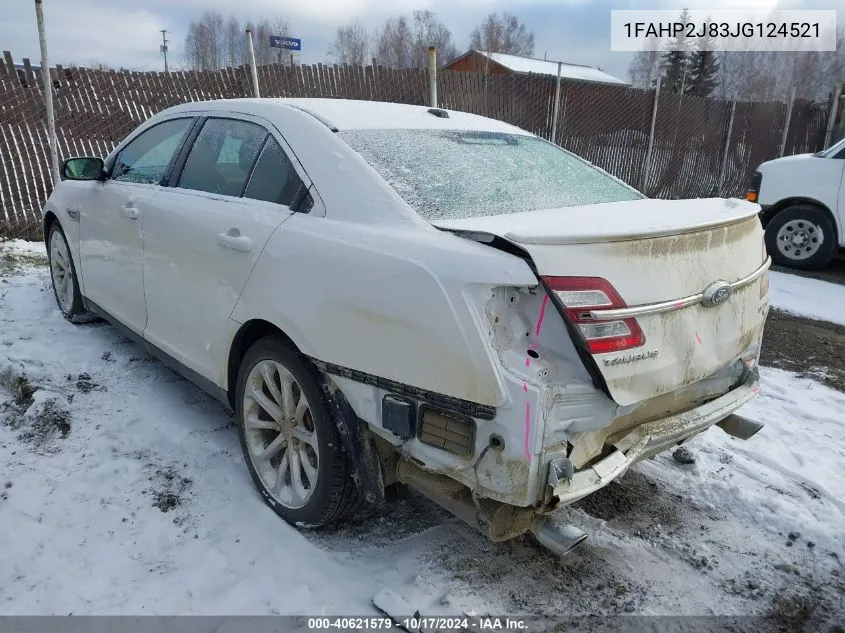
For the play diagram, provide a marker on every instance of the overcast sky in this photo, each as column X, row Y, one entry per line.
column 126, row 32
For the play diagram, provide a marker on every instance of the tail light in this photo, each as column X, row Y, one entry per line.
column 582, row 295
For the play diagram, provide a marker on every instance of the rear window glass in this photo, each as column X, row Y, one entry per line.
column 461, row 174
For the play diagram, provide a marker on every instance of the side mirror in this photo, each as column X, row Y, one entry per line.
column 83, row 168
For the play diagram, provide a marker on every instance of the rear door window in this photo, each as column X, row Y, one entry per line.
column 274, row 178
column 222, row 157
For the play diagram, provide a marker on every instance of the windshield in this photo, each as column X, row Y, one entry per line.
column 833, row 150
column 460, row 174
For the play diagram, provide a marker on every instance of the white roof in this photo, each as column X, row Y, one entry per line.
column 348, row 114
column 545, row 67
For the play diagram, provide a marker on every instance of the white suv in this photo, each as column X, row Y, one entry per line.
column 803, row 206
column 388, row 293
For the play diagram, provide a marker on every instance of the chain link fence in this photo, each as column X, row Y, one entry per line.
column 666, row 145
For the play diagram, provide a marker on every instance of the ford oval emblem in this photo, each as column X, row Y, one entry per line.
column 716, row 294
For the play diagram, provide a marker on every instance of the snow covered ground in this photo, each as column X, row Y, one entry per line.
column 122, row 491
column 809, row 297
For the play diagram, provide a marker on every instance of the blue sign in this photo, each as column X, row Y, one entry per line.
column 289, row 43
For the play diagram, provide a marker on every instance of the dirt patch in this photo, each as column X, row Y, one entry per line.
column 84, row 383
column 810, row 608
column 12, row 262
column 46, row 423
column 169, row 487
column 18, row 385
column 806, row 346
column 637, row 504
column 40, row 420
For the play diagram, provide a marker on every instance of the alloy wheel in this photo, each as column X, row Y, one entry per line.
column 280, row 434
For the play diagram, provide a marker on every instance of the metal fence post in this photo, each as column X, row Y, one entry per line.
column 556, row 109
column 253, row 70
column 48, row 93
column 834, row 108
column 786, row 124
column 432, row 75
column 727, row 145
column 647, row 167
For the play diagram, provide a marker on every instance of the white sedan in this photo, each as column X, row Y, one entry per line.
column 389, row 293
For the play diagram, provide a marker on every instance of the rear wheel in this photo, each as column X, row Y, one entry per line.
column 289, row 438
column 63, row 275
column 801, row 236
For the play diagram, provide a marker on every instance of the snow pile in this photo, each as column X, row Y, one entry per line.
column 807, row 297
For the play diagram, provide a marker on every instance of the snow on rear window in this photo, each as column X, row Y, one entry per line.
column 447, row 174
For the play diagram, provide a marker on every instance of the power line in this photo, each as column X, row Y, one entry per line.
column 163, row 47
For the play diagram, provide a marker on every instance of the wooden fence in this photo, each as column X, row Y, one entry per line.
column 699, row 147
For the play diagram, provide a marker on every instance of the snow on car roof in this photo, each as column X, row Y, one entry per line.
column 348, row 114
column 546, row 67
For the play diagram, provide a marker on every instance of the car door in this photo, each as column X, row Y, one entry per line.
column 111, row 251
column 204, row 234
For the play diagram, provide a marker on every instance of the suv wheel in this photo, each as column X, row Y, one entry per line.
column 802, row 236
column 289, row 438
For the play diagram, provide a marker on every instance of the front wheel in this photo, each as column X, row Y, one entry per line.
column 63, row 275
column 289, row 438
column 801, row 236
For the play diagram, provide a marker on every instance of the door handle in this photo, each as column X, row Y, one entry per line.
column 234, row 240
column 129, row 211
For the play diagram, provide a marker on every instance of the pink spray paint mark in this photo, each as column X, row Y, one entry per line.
column 527, row 361
column 542, row 315
column 698, row 338
column 525, row 387
column 678, row 304
column 527, row 431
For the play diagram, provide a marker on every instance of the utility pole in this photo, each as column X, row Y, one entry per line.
column 163, row 47
column 48, row 93
column 250, row 50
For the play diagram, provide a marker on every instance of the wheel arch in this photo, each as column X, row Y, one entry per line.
column 250, row 332
column 355, row 434
column 49, row 219
column 770, row 212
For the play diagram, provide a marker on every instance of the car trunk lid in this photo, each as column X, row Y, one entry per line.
column 665, row 293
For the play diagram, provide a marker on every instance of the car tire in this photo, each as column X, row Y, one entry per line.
column 802, row 236
column 284, row 418
column 63, row 275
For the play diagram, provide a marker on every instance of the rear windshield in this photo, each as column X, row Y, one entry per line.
column 452, row 174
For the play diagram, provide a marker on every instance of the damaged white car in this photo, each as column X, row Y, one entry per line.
column 389, row 293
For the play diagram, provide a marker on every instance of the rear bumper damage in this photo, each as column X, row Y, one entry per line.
column 650, row 438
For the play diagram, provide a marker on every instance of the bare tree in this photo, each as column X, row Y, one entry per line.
column 645, row 68
column 205, row 44
column 429, row 31
column 394, row 43
column 235, row 44
column 503, row 34
column 771, row 75
column 351, row 44
column 261, row 33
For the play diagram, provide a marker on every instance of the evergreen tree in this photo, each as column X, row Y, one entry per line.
column 705, row 69
column 677, row 60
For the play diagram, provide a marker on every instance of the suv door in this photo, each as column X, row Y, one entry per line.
column 203, row 236
column 111, row 252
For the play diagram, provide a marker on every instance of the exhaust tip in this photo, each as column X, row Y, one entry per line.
column 560, row 538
